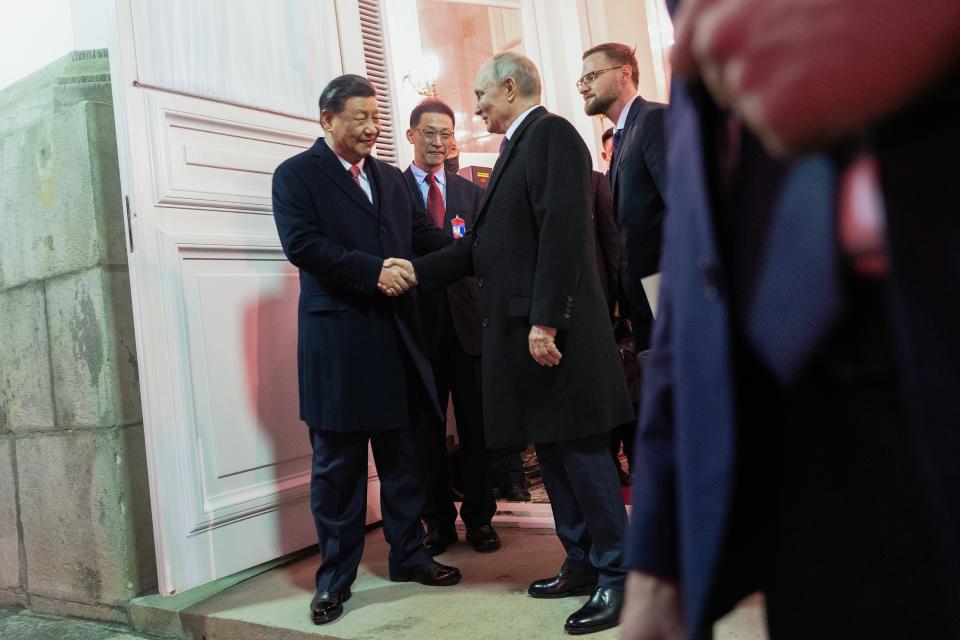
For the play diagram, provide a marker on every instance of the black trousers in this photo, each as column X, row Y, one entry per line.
column 830, row 518
column 457, row 373
column 587, row 505
column 507, row 469
column 338, row 497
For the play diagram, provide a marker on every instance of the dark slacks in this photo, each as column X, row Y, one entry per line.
column 587, row 505
column 457, row 374
column 507, row 469
column 830, row 517
column 339, row 500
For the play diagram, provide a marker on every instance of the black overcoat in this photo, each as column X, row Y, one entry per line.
column 355, row 345
column 532, row 251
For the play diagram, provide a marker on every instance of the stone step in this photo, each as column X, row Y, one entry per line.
column 489, row 604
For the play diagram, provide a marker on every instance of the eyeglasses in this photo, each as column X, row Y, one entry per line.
column 430, row 135
column 590, row 78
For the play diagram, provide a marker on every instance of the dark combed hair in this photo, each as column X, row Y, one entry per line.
column 335, row 95
column 619, row 54
column 606, row 135
column 431, row 105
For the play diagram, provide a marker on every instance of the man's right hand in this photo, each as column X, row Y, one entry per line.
column 651, row 609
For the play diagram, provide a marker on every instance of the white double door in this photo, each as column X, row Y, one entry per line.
column 210, row 96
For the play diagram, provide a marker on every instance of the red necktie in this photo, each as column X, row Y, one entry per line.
column 435, row 202
column 355, row 172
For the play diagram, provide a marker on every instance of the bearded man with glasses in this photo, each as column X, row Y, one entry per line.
column 637, row 178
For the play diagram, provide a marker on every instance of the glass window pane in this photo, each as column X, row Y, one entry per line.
column 462, row 36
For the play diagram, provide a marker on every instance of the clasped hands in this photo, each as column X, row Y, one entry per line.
column 396, row 277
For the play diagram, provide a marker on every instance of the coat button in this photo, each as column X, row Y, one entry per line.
column 484, row 323
column 481, row 282
column 711, row 279
column 383, row 229
column 566, row 316
column 476, row 241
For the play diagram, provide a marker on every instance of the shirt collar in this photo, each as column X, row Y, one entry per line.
column 622, row 120
column 347, row 165
column 516, row 123
column 421, row 175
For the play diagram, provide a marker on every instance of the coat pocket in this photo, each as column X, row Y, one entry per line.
column 321, row 303
column 518, row 307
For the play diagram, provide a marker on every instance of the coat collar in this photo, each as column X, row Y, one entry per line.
column 504, row 158
column 330, row 164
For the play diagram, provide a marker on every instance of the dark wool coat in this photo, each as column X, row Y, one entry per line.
column 356, row 346
column 532, row 251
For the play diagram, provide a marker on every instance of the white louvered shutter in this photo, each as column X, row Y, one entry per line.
column 375, row 57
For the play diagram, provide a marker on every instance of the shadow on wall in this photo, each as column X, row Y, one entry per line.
column 270, row 358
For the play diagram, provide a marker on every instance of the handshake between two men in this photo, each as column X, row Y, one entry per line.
column 398, row 275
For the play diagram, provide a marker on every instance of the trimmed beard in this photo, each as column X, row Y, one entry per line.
column 599, row 105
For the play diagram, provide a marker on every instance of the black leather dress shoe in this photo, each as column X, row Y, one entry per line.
column 483, row 539
column 517, row 493
column 432, row 574
column 602, row 611
column 563, row 585
column 436, row 541
column 327, row 606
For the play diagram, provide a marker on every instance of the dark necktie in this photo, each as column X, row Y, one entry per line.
column 797, row 294
column 503, row 144
column 616, row 143
column 435, row 202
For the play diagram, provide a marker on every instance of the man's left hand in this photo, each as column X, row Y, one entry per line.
column 543, row 346
column 804, row 74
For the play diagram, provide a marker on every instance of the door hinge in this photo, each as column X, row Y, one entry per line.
column 126, row 201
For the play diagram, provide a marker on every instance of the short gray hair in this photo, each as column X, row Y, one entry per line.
column 513, row 65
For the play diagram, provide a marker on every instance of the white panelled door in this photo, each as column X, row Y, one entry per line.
column 210, row 96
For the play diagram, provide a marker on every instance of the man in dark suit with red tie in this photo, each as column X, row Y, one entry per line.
column 364, row 372
column 451, row 320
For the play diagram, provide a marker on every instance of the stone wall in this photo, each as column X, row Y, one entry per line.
column 75, row 528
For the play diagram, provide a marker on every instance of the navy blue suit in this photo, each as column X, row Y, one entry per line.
column 637, row 185
column 834, row 493
column 363, row 370
column 451, row 320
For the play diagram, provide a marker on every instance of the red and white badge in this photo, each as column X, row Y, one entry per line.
column 459, row 226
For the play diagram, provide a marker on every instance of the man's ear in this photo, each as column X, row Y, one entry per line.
column 326, row 119
column 511, row 86
column 410, row 136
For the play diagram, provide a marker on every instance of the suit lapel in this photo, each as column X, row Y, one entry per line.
column 624, row 137
column 504, row 159
column 329, row 163
column 377, row 183
column 455, row 204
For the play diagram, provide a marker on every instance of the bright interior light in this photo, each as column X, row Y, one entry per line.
column 430, row 67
